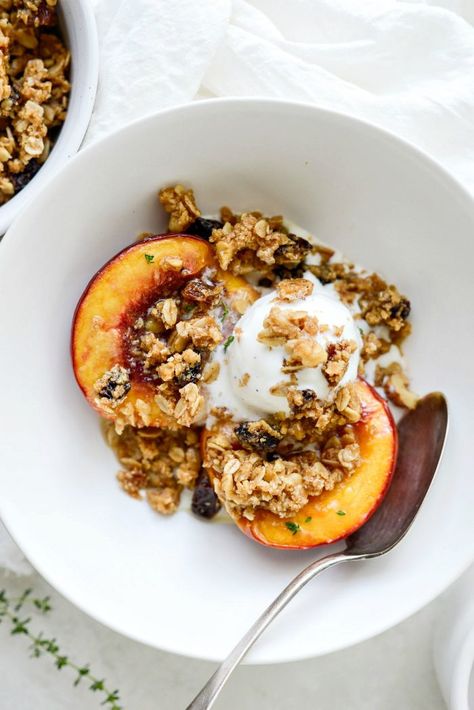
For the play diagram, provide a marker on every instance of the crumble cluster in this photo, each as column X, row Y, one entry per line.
column 34, row 89
column 156, row 463
column 169, row 346
column 296, row 331
column 252, row 471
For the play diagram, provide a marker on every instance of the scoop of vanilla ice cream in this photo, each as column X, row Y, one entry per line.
column 254, row 367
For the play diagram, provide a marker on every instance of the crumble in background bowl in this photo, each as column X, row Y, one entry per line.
column 178, row 583
column 78, row 30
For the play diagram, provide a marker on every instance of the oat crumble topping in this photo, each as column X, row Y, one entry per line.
column 204, row 332
column 181, row 207
column 282, row 484
column 338, row 356
column 247, row 245
column 281, row 325
column 156, row 462
column 113, row 386
column 294, row 289
column 279, row 462
column 34, row 89
column 395, row 384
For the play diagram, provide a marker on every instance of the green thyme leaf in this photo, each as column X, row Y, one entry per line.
column 61, row 661
column 341, row 512
column 149, row 258
column 228, row 342
column 293, row 527
column 41, row 646
column 308, row 519
column 225, row 311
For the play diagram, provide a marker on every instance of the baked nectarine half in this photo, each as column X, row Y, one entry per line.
column 336, row 513
column 117, row 308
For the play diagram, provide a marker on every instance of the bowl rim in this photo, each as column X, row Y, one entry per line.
column 84, row 87
column 426, row 595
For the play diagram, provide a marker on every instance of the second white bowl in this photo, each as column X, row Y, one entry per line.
column 78, row 26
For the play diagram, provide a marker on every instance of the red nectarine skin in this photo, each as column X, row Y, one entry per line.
column 120, row 291
column 117, row 295
column 335, row 514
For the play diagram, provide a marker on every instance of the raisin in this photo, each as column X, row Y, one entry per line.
column 46, row 15
column 308, row 395
column 402, row 310
column 294, row 252
column 257, row 435
column 191, row 374
column 21, row 180
column 284, row 272
column 265, row 282
column 198, row 291
column 203, row 227
column 109, row 391
column 205, row 503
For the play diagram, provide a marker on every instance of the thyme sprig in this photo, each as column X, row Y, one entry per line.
column 10, row 611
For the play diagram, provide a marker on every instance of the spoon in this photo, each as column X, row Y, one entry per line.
column 421, row 437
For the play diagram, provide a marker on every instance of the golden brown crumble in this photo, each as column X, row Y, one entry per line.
column 112, row 387
column 189, row 406
column 166, row 311
column 281, row 388
column 303, row 352
column 312, row 419
column 211, row 372
column 242, row 299
column 246, row 482
column 164, row 500
column 172, row 263
column 155, row 351
column 338, row 356
column 294, row 289
column 281, row 325
column 204, row 332
column 395, row 384
column 373, row 346
column 181, row 207
column 157, row 462
column 248, row 244
column 325, row 252
column 178, row 364
column 244, row 380
column 34, row 89
column 135, row 414
column 379, row 302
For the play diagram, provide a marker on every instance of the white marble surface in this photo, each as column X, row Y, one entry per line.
column 391, row 672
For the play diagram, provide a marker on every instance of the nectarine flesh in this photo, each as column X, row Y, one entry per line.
column 121, row 292
column 335, row 514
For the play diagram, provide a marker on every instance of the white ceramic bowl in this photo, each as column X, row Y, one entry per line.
column 79, row 30
column 178, row 583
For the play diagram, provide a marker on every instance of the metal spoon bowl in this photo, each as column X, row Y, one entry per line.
column 421, row 437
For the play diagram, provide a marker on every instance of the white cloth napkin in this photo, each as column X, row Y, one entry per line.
column 407, row 66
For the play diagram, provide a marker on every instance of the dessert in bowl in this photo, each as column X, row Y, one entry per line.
column 228, row 356
column 178, row 582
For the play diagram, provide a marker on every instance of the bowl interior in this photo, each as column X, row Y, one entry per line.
column 178, row 583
